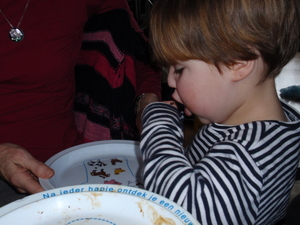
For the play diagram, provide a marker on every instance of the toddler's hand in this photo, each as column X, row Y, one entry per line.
column 172, row 103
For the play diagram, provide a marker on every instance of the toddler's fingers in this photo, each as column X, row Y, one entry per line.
column 172, row 103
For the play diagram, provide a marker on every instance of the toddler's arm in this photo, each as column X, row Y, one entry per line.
column 208, row 187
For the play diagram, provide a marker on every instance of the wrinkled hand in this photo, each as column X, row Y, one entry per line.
column 20, row 169
column 145, row 100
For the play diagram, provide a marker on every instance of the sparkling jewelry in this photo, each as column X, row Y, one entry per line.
column 15, row 33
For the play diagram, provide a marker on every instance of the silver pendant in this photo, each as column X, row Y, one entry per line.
column 16, row 34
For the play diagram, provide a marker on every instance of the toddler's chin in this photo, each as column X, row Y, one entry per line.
column 187, row 112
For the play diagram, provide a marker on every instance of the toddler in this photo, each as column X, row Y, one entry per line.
column 223, row 57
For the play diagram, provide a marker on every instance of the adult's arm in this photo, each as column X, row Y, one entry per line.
column 148, row 77
column 20, row 169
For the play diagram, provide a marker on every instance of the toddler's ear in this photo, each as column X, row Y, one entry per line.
column 241, row 69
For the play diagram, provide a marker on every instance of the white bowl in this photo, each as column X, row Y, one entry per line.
column 95, row 204
column 102, row 162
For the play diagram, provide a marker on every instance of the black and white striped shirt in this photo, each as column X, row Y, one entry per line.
column 229, row 174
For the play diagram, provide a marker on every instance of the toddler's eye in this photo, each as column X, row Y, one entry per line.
column 178, row 71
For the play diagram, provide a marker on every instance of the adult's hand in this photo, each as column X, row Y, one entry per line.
column 145, row 100
column 19, row 168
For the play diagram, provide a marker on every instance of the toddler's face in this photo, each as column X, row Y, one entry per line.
column 202, row 89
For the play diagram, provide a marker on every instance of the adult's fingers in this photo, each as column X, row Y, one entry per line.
column 26, row 182
column 22, row 158
column 22, row 170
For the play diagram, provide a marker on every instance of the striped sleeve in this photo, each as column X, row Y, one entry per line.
column 221, row 188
